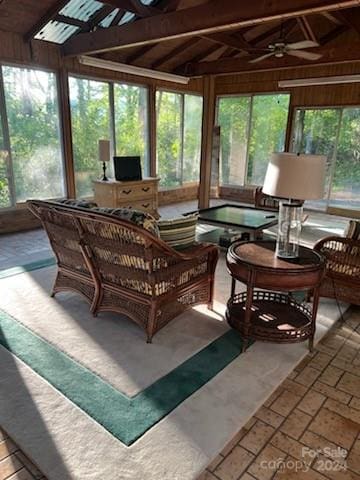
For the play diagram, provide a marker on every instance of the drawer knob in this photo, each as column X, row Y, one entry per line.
column 146, row 205
column 146, row 189
column 126, row 192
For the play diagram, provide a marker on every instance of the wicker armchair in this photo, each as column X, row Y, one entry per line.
column 120, row 267
column 342, row 277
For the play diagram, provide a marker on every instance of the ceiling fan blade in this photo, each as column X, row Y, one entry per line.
column 258, row 59
column 301, row 45
column 305, row 55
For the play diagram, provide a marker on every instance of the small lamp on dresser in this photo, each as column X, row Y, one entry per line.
column 295, row 177
column 104, row 156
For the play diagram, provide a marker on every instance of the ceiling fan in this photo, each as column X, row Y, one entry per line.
column 280, row 48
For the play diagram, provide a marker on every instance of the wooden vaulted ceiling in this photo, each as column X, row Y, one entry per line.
column 197, row 37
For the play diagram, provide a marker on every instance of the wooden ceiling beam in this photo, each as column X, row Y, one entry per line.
column 176, row 51
column 201, row 56
column 330, row 55
column 336, row 32
column 349, row 19
column 306, row 29
column 140, row 53
column 133, row 6
column 228, row 40
column 70, row 21
column 199, row 20
column 332, row 18
column 45, row 19
column 118, row 17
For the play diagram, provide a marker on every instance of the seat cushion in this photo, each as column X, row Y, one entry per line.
column 141, row 219
column 179, row 233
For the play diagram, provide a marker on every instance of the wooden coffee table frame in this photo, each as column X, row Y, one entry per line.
column 273, row 314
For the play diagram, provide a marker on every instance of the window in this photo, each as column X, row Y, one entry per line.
column 90, row 120
column 35, row 166
column 93, row 117
column 5, row 196
column 131, row 122
column 178, row 126
column 333, row 132
column 252, row 128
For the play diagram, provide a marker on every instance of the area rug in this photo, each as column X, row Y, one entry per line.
column 87, row 398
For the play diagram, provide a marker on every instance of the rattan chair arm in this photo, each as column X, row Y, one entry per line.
column 318, row 247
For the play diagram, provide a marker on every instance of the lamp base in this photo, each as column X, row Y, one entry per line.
column 289, row 229
column 104, row 179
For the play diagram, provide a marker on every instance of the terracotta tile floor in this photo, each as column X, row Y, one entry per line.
column 308, row 429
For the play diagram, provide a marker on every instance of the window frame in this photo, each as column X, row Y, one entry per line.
column 248, row 127
column 6, row 132
column 111, row 84
column 182, row 94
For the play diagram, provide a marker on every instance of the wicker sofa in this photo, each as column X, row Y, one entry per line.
column 122, row 267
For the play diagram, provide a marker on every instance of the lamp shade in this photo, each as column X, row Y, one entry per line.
column 295, row 176
column 104, row 150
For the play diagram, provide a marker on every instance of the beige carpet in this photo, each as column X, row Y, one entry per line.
column 67, row 444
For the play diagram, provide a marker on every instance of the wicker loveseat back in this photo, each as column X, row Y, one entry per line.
column 119, row 266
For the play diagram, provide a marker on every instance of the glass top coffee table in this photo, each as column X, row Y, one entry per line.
column 239, row 219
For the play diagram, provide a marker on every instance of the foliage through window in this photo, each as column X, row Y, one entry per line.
column 131, row 122
column 90, row 121
column 33, row 162
column 91, row 115
column 178, row 126
column 252, row 128
column 333, row 132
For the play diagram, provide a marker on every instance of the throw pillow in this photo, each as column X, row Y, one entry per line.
column 353, row 230
column 179, row 233
column 141, row 219
column 73, row 202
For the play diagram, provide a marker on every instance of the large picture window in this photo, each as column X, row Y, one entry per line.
column 131, row 122
column 33, row 162
column 178, row 127
column 106, row 110
column 333, row 132
column 252, row 128
column 90, row 121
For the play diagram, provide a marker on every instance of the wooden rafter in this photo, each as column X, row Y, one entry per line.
column 45, row 19
column 331, row 17
column 133, row 6
column 175, row 51
column 274, row 32
column 202, row 19
column 330, row 55
column 140, row 53
column 336, row 32
column 351, row 19
column 228, row 40
column 199, row 57
column 70, row 21
column 306, row 29
column 118, row 17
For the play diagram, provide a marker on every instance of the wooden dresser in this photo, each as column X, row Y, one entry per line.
column 137, row 195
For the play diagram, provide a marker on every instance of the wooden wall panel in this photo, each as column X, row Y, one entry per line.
column 267, row 81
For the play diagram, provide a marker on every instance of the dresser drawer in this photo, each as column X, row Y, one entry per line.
column 145, row 205
column 133, row 192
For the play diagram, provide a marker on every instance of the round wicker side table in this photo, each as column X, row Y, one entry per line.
column 268, row 311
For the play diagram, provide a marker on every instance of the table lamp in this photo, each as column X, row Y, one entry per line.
column 104, row 156
column 293, row 178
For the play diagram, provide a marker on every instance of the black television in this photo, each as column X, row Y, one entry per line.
column 127, row 169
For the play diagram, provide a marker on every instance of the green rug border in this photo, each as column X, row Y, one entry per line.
column 28, row 267
column 127, row 419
